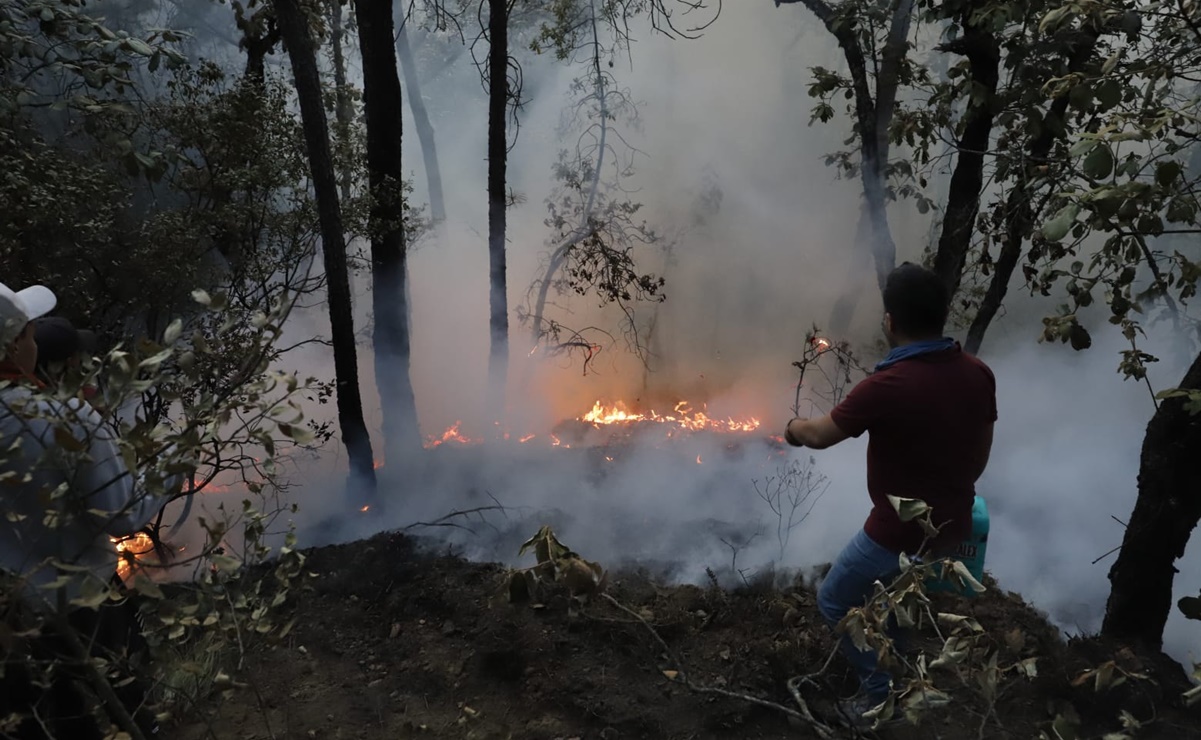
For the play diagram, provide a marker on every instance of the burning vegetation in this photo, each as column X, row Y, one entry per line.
column 618, row 416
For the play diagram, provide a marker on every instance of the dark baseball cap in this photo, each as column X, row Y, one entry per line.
column 58, row 340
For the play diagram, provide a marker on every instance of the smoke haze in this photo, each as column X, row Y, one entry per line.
column 728, row 110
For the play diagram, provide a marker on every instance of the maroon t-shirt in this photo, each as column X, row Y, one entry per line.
column 925, row 418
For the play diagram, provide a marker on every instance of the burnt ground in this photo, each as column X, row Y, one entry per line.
column 397, row 642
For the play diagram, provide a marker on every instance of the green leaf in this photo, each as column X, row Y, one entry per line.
column 1082, row 147
column 172, row 332
column 140, row 47
column 1053, row 19
column 1099, row 163
column 1079, row 337
column 147, row 587
column 1108, row 94
column 1057, row 228
column 1166, row 172
column 1111, row 62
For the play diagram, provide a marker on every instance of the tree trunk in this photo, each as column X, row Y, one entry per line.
column 342, row 110
column 559, row 257
column 1165, row 514
column 295, row 32
column 873, row 117
column 425, row 129
column 844, row 306
column 498, row 103
column 1019, row 215
column 382, row 106
column 967, row 181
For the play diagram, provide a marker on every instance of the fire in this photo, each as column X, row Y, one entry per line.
column 682, row 416
column 130, row 550
column 698, row 459
column 527, row 438
column 365, row 509
column 450, row 435
column 821, row 343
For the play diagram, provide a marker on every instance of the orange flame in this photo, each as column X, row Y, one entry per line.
column 527, row 438
column 822, row 343
column 698, row 459
column 450, row 435
column 130, row 550
column 682, row 416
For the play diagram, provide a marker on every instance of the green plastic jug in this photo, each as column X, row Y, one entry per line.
column 970, row 552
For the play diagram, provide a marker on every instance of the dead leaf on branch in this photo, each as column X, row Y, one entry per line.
column 546, row 546
column 556, row 563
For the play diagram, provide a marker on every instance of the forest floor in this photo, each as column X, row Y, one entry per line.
column 399, row 641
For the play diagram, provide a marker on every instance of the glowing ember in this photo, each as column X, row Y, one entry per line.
column 682, row 416
column 364, row 509
column 821, row 343
column 130, row 550
column 698, row 459
column 527, row 438
column 450, row 435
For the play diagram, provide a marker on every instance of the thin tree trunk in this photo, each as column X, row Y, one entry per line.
column 425, row 129
column 873, row 117
column 382, row 106
column 295, row 32
column 559, row 257
column 498, row 104
column 1165, row 514
column 342, row 110
column 967, row 181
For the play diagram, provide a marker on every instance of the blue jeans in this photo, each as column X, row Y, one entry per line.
column 848, row 584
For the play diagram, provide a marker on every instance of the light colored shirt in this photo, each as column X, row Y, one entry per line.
column 66, row 492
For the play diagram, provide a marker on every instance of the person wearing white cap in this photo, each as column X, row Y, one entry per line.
column 68, row 490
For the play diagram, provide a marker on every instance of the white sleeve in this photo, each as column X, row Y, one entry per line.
column 104, row 483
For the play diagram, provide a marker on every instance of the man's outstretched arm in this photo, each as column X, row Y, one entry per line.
column 817, row 434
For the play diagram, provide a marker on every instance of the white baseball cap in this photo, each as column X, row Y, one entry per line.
column 19, row 307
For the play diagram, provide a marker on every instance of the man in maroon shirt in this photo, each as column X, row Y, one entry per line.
column 928, row 409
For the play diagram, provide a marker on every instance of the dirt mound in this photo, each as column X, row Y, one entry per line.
column 397, row 642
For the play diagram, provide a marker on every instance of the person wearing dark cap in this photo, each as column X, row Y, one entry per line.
column 61, row 348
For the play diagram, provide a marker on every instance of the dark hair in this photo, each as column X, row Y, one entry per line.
column 58, row 340
column 917, row 301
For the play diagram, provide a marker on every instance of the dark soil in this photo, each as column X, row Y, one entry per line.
column 394, row 642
